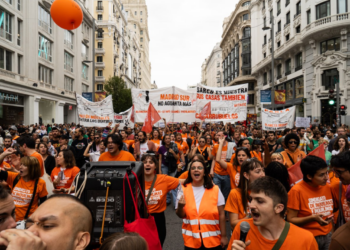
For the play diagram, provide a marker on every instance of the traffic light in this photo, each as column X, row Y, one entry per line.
column 342, row 109
column 331, row 97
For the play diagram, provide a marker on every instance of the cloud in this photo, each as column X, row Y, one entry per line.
column 183, row 33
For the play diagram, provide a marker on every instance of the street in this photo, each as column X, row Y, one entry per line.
column 174, row 240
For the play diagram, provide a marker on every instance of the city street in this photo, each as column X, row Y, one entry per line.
column 174, row 240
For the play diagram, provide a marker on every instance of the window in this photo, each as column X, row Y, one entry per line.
column 287, row 37
column 297, row 29
column 279, row 71
column 84, row 88
column 99, row 17
column 135, row 13
column 141, row 39
column 100, row 45
column 45, row 74
column 5, row 25
column 278, row 44
column 218, row 80
column 308, row 16
column 332, row 44
column 19, row 31
column 298, row 8
column 265, row 39
column 99, row 5
column 289, row 91
column 342, row 6
column 99, row 59
column 278, row 7
column 8, row 1
column 68, row 62
column 265, row 79
column 264, row 21
column 236, row 61
column 19, row 5
column 141, row 32
column 245, row 17
column 246, row 4
column 218, row 64
column 271, row 14
column 299, row 61
column 99, row 87
column 330, row 78
column 251, row 86
column 271, row 76
column 134, row 26
column 19, row 64
column 68, row 83
column 85, row 72
column 279, row 26
column 218, row 72
column 288, row 66
column 5, row 59
column 251, row 99
column 141, row 20
column 44, row 20
column 99, row 34
column 323, row 10
column 84, row 52
column 68, row 39
column 287, row 2
column 45, row 48
column 246, row 32
column 99, row 73
column 265, row 55
column 299, row 87
column 141, row 13
column 288, row 18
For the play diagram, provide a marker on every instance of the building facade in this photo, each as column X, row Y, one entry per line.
column 237, row 51
column 42, row 66
column 311, row 53
column 211, row 68
column 137, row 14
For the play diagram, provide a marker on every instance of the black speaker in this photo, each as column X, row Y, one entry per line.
column 94, row 195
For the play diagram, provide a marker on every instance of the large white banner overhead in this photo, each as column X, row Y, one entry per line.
column 123, row 118
column 95, row 114
column 278, row 119
column 172, row 103
column 228, row 104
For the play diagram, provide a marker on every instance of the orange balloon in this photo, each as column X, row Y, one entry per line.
column 67, row 14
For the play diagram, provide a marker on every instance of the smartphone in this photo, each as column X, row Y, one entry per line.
column 328, row 217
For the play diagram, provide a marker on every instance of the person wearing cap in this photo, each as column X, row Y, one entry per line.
column 340, row 238
column 292, row 154
column 13, row 132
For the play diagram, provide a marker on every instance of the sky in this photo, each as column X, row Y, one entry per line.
column 182, row 34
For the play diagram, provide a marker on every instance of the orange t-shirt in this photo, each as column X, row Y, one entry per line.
column 4, row 165
column 184, row 137
column 184, row 175
column 298, row 154
column 41, row 161
column 256, row 155
column 309, row 200
column 69, row 175
column 335, row 191
column 297, row 238
column 218, row 169
column 22, row 194
column 129, row 142
column 182, row 146
column 122, row 156
column 234, row 174
column 157, row 201
column 243, row 135
column 158, row 143
column 234, row 203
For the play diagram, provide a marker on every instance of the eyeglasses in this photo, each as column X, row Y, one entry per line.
column 199, row 168
column 338, row 172
column 201, row 141
column 293, row 142
column 97, row 138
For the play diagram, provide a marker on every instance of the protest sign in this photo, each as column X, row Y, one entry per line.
column 123, row 118
column 278, row 119
column 228, row 104
column 95, row 114
column 302, row 122
column 173, row 104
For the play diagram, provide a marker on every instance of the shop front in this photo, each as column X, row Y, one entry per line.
column 11, row 108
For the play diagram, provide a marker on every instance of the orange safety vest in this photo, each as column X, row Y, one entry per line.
column 205, row 225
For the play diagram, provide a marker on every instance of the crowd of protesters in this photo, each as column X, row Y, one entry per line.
column 211, row 173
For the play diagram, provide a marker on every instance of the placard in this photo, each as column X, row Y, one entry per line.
column 123, row 118
column 302, row 122
column 277, row 119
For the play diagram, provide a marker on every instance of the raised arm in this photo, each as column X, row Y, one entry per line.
column 222, row 163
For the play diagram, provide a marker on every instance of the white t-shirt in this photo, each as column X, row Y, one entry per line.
column 94, row 156
column 143, row 148
column 198, row 195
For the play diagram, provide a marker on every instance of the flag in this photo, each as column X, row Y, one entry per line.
column 295, row 174
column 280, row 96
column 151, row 118
column 205, row 111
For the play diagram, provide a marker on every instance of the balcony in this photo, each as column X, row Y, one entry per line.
column 279, row 76
column 7, row 73
column 298, row 67
column 100, row 51
column 297, row 15
column 99, row 37
column 99, row 9
column 100, row 65
column 288, row 72
column 100, row 79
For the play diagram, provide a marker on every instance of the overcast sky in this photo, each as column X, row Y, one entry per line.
column 183, row 33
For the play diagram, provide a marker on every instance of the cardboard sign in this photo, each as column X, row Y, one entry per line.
column 302, row 122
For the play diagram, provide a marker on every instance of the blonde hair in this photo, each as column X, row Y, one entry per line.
column 278, row 154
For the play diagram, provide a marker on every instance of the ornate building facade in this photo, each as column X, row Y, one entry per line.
column 211, row 68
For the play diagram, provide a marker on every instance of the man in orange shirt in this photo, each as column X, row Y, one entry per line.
column 114, row 146
column 27, row 148
column 268, row 205
column 310, row 202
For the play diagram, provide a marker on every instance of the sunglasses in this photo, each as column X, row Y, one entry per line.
column 97, row 138
column 292, row 142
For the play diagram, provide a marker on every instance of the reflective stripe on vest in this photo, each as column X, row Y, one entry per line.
column 191, row 222
column 190, row 233
column 209, row 222
column 209, row 234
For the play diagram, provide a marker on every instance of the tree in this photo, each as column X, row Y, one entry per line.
column 121, row 96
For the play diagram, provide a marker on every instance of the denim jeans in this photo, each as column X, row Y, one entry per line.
column 323, row 241
column 223, row 181
column 172, row 193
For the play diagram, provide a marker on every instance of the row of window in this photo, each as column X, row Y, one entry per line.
column 19, row 3
column 294, row 88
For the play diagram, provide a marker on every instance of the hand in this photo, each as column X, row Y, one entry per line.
column 211, row 147
column 90, row 144
column 63, row 147
column 211, row 173
column 10, row 151
column 222, row 140
column 182, row 202
column 171, row 151
column 116, row 125
column 179, row 167
column 57, row 180
column 224, row 242
column 239, row 245
column 193, row 147
column 318, row 218
column 16, row 239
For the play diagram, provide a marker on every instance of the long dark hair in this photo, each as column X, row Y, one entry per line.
column 278, row 171
column 208, row 183
column 248, row 165
column 163, row 140
column 235, row 160
column 336, row 145
column 153, row 158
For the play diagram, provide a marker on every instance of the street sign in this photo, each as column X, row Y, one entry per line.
column 265, row 96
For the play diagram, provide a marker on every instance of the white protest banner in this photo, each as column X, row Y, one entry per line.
column 278, row 119
column 302, row 122
column 228, row 104
column 95, row 114
column 123, row 118
column 171, row 103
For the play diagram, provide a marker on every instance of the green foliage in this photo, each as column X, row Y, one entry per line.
column 121, row 96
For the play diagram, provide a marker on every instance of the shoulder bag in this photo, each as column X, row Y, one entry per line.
column 341, row 219
column 151, row 189
column 282, row 237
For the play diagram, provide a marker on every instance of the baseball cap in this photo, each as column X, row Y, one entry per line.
column 13, row 128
